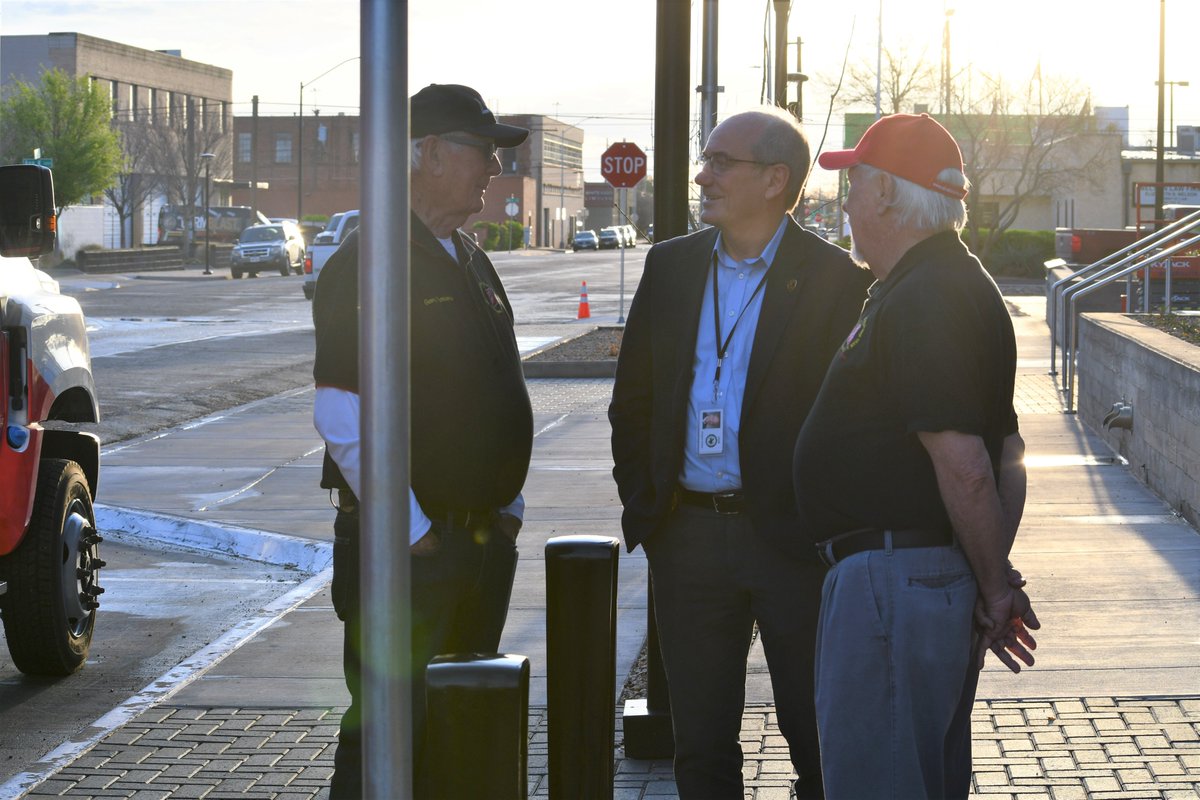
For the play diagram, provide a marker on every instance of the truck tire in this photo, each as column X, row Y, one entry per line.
column 285, row 268
column 50, row 608
column 235, row 272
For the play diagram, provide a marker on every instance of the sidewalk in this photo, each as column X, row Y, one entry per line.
column 1111, row 710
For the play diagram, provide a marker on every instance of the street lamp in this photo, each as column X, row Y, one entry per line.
column 207, row 159
column 300, row 140
column 1173, row 84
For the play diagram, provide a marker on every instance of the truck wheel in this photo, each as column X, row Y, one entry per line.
column 53, row 576
column 235, row 272
column 285, row 268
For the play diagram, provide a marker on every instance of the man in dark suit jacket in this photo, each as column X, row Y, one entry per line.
column 729, row 336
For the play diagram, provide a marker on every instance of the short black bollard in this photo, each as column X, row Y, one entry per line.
column 581, row 665
column 647, row 723
column 478, row 726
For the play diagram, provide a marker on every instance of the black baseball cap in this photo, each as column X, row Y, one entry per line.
column 446, row 107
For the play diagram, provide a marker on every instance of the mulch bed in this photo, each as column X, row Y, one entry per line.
column 601, row 344
column 1182, row 327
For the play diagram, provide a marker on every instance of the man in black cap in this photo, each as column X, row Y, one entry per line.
column 472, row 424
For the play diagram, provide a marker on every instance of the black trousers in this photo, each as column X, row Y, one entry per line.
column 713, row 579
column 460, row 600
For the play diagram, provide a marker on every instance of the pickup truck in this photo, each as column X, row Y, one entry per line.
column 49, row 546
column 323, row 244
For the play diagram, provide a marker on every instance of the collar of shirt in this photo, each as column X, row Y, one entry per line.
column 765, row 258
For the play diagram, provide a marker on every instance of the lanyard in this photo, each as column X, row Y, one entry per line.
column 723, row 346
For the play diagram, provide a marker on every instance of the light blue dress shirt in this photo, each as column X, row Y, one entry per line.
column 736, row 282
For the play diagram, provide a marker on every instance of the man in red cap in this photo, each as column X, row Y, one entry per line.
column 909, row 473
column 472, row 424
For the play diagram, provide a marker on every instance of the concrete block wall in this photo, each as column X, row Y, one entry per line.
column 1121, row 359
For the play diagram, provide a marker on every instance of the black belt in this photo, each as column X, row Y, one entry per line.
column 844, row 545
column 469, row 519
column 721, row 502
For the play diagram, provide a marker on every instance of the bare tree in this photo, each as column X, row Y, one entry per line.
column 1019, row 145
column 178, row 137
column 906, row 80
column 136, row 182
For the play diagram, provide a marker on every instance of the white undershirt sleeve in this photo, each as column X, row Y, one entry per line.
column 336, row 418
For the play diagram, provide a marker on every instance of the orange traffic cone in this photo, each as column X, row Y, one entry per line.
column 584, row 311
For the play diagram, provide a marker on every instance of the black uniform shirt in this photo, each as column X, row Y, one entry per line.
column 933, row 351
column 472, row 424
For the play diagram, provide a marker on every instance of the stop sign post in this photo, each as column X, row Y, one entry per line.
column 623, row 165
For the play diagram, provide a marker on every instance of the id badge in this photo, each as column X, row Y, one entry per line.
column 712, row 432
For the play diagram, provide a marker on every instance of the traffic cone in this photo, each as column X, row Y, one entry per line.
column 584, row 311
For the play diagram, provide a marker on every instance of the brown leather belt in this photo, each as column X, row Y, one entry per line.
column 844, row 545
column 721, row 502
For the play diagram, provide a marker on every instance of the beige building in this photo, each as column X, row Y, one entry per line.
column 151, row 87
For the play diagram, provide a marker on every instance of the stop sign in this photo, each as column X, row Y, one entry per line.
column 623, row 165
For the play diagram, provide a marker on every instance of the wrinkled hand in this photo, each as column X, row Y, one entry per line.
column 427, row 545
column 1004, row 622
column 510, row 526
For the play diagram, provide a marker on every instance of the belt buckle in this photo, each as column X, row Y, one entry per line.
column 719, row 499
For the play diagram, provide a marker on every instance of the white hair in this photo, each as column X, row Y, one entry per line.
column 926, row 209
column 414, row 154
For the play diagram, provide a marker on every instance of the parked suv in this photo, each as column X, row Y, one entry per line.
column 278, row 246
column 585, row 240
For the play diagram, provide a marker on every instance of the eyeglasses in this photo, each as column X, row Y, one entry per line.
column 487, row 148
column 719, row 163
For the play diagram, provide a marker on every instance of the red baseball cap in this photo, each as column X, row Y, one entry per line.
column 910, row 146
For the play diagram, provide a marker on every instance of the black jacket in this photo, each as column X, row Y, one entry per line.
column 812, row 299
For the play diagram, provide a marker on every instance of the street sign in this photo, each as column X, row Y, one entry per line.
column 41, row 162
column 623, row 165
column 511, row 208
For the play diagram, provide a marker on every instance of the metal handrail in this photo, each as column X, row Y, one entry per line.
column 1142, row 246
column 1069, row 353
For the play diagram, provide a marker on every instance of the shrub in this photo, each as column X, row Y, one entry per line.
column 1020, row 254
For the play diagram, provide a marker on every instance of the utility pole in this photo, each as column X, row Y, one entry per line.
column 254, row 154
column 781, row 76
column 1162, row 87
column 708, row 87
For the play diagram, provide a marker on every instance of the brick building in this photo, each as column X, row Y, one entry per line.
column 266, row 156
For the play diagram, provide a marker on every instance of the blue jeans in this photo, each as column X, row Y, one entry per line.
column 895, row 680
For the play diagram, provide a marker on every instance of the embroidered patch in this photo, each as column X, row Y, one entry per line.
column 856, row 334
column 493, row 300
column 445, row 298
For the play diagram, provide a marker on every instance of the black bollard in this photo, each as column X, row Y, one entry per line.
column 478, row 726
column 581, row 665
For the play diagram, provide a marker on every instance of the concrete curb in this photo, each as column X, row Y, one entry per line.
column 277, row 549
column 571, row 369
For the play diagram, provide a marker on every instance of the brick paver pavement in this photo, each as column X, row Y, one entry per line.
column 1101, row 748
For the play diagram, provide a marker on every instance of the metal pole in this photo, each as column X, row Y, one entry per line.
column 207, row 226
column 621, row 311
column 781, row 23
column 254, row 156
column 384, row 364
column 879, row 65
column 1162, row 77
column 300, row 158
column 562, row 179
column 708, row 87
column 647, row 723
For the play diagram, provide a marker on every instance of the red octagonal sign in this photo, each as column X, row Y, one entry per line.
column 623, row 165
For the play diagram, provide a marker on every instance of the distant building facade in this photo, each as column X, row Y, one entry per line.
column 268, row 164
column 147, row 87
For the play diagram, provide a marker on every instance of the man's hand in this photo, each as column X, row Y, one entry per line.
column 1004, row 622
column 427, row 545
column 510, row 525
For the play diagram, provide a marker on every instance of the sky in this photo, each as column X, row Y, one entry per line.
column 591, row 63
